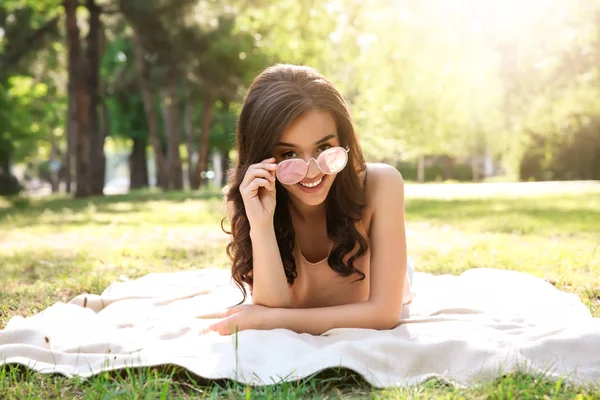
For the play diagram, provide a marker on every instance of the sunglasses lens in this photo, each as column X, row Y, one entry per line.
column 333, row 160
column 290, row 172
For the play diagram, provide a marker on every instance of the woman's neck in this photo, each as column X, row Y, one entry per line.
column 305, row 212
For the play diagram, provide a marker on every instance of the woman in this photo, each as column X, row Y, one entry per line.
column 317, row 234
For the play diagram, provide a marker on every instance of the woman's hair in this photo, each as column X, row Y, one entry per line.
column 278, row 96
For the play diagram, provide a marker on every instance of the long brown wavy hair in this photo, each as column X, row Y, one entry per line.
column 278, row 96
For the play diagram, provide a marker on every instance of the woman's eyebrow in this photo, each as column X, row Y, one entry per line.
column 326, row 138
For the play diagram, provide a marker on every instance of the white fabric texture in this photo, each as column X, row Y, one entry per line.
column 466, row 328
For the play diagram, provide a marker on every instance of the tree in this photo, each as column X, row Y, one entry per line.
column 95, row 135
column 155, row 139
column 125, row 104
column 227, row 61
column 80, row 101
column 26, row 28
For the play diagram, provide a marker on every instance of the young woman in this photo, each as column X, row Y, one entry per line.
column 317, row 234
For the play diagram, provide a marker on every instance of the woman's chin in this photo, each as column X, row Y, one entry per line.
column 311, row 200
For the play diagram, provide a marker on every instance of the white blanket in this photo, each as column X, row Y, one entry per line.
column 465, row 328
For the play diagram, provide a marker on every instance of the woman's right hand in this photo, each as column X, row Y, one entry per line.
column 258, row 193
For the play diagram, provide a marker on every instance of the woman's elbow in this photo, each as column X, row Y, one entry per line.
column 388, row 323
column 387, row 318
column 272, row 302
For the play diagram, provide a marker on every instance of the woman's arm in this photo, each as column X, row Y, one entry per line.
column 316, row 321
column 388, row 273
column 270, row 286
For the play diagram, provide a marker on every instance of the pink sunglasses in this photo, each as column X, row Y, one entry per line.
column 330, row 161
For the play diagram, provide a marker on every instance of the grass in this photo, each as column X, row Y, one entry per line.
column 52, row 249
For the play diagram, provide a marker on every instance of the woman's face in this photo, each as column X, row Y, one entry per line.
column 305, row 138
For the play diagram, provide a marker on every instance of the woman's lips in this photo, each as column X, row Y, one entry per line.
column 313, row 181
column 313, row 189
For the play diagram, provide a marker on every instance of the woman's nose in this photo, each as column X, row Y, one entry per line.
column 313, row 169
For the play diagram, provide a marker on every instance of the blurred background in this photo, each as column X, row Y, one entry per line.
column 104, row 96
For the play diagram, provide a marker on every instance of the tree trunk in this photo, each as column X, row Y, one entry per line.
column 71, row 132
column 161, row 167
column 170, row 107
column 475, row 167
column 421, row 169
column 189, row 141
column 105, row 129
column 207, row 115
column 5, row 164
column 95, row 135
column 218, row 167
column 138, row 164
column 77, row 69
column 54, row 165
column 9, row 185
column 448, row 166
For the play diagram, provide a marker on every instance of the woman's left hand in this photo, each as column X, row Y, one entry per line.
column 244, row 316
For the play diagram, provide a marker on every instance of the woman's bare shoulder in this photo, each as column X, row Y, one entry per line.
column 380, row 177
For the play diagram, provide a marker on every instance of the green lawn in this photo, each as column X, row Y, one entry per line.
column 52, row 249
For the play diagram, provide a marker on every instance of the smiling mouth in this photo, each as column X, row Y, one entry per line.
column 313, row 184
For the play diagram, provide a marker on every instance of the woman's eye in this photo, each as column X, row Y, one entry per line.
column 289, row 154
column 324, row 147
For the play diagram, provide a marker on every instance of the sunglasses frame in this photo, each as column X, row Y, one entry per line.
column 346, row 149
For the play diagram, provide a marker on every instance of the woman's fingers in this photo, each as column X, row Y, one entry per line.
column 221, row 313
column 268, row 164
column 260, row 173
column 260, row 182
column 254, row 173
column 234, row 310
column 225, row 326
column 256, row 184
column 213, row 315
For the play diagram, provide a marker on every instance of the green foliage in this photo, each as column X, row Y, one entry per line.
column 222, row 136
column 458, row 172
column 294, row 32
column 230, row 58
column 30, row 112
column 122, row 95
column 571, row 153
column 30, row 103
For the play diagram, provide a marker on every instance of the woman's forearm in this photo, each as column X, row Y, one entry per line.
column 316, row 321
column 270, row 287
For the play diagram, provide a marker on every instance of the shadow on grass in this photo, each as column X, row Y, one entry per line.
column 559, row 214
column 30, row 211
column 137, row 196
